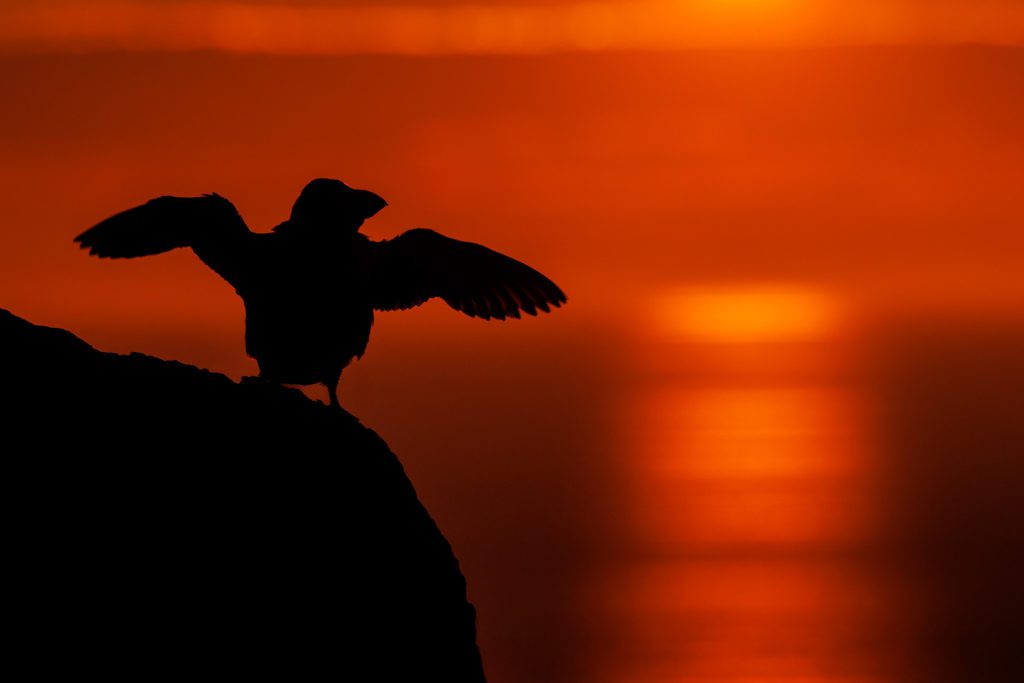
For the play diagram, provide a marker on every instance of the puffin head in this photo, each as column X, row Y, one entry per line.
column 330, row 203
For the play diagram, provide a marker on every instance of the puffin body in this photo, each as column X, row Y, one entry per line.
column 287, row 330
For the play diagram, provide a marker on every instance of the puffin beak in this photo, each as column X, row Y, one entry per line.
column 369, row 202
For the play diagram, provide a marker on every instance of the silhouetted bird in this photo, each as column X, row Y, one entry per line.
column 310, row 287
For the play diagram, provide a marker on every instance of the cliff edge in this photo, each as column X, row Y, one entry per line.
column 166, row 521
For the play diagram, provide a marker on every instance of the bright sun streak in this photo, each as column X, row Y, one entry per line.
column 748, row 314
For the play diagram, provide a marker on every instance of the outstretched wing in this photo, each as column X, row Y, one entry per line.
column 421, row 264
column 210, row 225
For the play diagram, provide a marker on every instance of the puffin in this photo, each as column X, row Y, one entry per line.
column 311, row 286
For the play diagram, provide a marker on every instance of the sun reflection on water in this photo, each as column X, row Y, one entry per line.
column 735, row 466
column 750, row 502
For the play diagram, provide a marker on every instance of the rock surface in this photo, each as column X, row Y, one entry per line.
column 164, row 520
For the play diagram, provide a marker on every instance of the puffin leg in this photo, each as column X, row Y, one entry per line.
column 332, row 388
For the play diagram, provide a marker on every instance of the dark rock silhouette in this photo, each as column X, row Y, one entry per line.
column 310, row 287
column 166, row 521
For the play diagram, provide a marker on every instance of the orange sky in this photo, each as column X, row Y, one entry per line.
column 422, row 27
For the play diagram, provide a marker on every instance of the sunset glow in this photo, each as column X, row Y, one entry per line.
column 466, row 28
column 749, row 315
